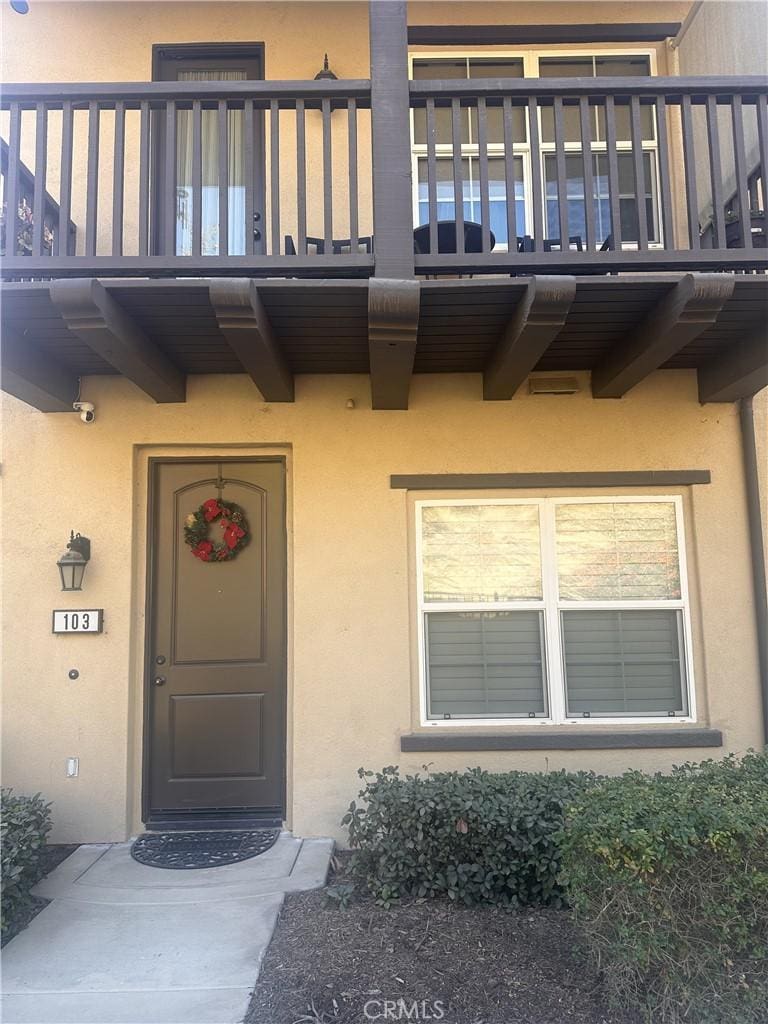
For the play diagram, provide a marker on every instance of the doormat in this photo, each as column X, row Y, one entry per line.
column 186, row 850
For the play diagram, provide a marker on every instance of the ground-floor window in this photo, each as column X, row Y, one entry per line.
column 553, row 609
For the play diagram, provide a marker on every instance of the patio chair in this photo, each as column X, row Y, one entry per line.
column 555, row 243
column 337, row 244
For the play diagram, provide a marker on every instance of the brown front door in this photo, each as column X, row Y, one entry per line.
column 216, row 649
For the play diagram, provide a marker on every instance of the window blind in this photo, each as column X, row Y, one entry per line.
column 623, row 662
column 485, row 664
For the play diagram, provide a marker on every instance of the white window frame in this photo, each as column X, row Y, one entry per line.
column 552, row 606
column 530, row 58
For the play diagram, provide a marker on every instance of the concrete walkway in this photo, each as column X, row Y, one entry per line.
column 122, row 943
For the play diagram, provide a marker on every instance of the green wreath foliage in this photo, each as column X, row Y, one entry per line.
column 234, row 525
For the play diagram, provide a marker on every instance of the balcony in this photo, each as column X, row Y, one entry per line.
column 490, row 226
column 509, row 177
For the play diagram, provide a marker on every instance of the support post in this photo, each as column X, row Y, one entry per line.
column 393, row 321
column 391, row 134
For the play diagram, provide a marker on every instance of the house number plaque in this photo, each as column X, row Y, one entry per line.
column 78, row 620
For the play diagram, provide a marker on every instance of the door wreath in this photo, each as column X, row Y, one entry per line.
column 233, row 524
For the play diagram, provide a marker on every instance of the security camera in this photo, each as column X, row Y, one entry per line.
column 87, row 411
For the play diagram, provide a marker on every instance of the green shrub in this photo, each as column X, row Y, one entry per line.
column 473, row 836
column 669, row 877
column 25, row 822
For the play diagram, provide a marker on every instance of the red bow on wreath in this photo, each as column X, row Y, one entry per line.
column 211, row 509
column 232, row 533
column 203, row 551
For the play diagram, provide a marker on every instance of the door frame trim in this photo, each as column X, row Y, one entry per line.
column 187, row 820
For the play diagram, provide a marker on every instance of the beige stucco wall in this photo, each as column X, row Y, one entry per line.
column 352, row 671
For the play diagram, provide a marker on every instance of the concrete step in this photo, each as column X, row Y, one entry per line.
column 108, row 874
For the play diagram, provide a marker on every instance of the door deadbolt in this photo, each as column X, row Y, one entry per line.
column 160, row 659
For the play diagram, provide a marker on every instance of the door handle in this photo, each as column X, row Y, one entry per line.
column 159, row 680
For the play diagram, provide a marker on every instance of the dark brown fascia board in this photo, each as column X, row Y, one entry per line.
column 509, row 35
column 489, row 481
column 571, row 738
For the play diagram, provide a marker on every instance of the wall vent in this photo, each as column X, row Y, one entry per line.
column 553, row 386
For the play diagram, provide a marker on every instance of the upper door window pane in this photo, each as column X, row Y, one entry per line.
column 629, row 66
column 618, row 551
column 473, row 67
column 481, row 553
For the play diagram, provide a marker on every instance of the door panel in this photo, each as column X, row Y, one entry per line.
column 216, row 675
column 202, row 597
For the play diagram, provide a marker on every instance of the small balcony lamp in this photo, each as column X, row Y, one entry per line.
column 73, row 562
column 325, row 73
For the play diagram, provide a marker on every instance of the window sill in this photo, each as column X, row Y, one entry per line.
column 565, row 739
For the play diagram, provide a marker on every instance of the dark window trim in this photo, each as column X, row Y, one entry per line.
column 488, row 481
column 165, row 54
column 510, row 35
column 570, row 738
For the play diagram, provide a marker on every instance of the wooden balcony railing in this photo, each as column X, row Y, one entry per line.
column 193, row 178
column 606, row 174
column 278, row 178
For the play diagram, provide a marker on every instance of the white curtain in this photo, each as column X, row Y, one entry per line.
column 210, row 174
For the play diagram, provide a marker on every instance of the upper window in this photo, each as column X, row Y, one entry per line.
column 553, row 609
column 533, row 65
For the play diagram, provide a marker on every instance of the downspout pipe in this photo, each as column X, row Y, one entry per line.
column 757, row 546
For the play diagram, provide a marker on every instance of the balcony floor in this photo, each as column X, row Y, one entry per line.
column 322, row 326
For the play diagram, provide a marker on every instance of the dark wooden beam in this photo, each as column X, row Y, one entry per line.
column 511, row 35
column 98, row 320
column 245, row 324
column 568, row 739
column 740, row 371
column 393, row 321
column 537, row 320
column 390, row 139
column 685, row 312
column 35, row 377
column 507, row 481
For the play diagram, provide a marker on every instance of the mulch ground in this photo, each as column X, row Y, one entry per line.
column 53, row 855
column 472, row 965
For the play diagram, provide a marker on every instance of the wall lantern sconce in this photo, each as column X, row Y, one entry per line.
column 73, row 562
column 326, row 73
